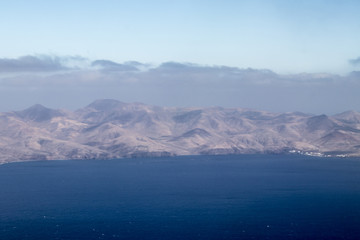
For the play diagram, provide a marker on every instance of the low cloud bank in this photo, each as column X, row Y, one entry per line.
column 71, row 82
column 31, row 64
column 355, row 61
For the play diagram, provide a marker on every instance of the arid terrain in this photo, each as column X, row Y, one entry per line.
column 112, row 129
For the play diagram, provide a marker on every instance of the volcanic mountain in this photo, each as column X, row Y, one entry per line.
column 112, row 129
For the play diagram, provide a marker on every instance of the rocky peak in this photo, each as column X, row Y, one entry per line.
column 38, row 113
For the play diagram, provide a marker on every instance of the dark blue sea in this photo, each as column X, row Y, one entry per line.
column 202, row 197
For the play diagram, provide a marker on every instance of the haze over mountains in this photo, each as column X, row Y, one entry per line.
column 58, row 81
column 113, row 129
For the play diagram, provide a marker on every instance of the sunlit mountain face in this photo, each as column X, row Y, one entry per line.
column 113, row 129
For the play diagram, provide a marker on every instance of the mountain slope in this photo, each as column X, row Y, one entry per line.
column 112, row 129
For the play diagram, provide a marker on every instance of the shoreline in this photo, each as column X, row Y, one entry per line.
column 289, row 153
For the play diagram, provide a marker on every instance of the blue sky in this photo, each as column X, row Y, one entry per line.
column 65, row 54
column 284, row 36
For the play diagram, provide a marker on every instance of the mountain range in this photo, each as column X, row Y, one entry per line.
column 112, row 129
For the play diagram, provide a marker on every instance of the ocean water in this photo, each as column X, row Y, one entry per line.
column 195, row 197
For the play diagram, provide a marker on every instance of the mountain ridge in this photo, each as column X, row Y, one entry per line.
column 112, row 129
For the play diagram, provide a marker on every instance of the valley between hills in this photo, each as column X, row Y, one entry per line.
column 108, row 129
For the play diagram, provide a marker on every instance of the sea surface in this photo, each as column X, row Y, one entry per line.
column 194, row 197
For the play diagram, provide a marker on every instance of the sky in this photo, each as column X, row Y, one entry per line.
column 65, row 54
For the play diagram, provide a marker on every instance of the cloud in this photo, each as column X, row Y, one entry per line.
column 136, row 64
column 186, row 72
column 77, row 69
column 54, row 64
column 113, row 66
column 355, row 61
column 32, row 64
column 72, row 82
column 176, row 65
